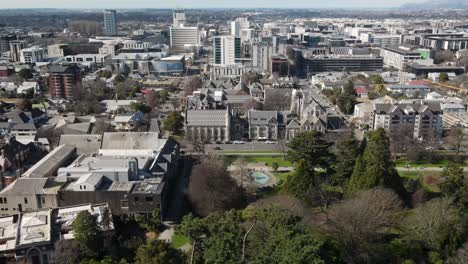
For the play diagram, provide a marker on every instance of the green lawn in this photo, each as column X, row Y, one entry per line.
column 281, row 176
column 409, row 174
column 179, row 241
column 240, row 152
column 404, row 162
column 429, row 180
column 269, row 160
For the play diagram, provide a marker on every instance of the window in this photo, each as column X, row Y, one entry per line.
column 1, row 200
column 25, row 200
column 149, row 198
column 136, row 199
column 5, row 200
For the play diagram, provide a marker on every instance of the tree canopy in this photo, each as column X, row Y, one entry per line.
column 86, row 232
column 158, row 252
column 375, row 168
column 311, row 147
column 174, row 123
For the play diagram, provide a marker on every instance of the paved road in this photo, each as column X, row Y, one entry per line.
column 248, row 146
column 424, row 169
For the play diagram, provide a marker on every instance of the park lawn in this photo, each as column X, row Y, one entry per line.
column 179, row 240
column 429, row 180
column 269, row 161
column 281, row 176
column 240, row 152
column 404, row 162
column 431, row 183
column 409, row 174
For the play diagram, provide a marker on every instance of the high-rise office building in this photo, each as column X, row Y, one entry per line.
column 238, row 25
column 110, row 22
column 226, row 49
column 5, row 42
column 178, row 18
column 183, row 38
column 15, row 50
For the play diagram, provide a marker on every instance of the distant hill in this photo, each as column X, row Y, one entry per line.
column 438, row 4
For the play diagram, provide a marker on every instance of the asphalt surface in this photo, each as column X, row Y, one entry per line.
column 248, row 146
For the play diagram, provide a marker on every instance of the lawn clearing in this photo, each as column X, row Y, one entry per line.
column 179, row 240
column 268, row 161
column 281, row 176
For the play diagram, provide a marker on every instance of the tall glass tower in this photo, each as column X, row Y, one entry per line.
column 110, row 22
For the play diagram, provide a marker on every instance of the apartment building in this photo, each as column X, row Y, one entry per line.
column 423, row 120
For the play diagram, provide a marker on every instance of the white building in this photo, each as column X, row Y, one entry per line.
column 227, row 71
column 226, row 49
column 381, row 40
column 33, row 54
column 86, row 59
column 179, row 18
column 238, row 25
column 397, row 57
column 184, row 37
column 262, row 53
column 422, row 120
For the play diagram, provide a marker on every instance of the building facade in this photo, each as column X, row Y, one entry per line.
column 420, row 120
column 33, row 55
column 226, row 49
column 64, row 80
column 110, row 23
column 183, row 38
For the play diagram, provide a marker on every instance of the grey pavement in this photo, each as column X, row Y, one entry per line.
column 424, row 169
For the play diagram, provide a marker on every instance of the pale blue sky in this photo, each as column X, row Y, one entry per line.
column 201, row 3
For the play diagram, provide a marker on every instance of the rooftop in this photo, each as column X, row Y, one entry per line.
column 46, row 166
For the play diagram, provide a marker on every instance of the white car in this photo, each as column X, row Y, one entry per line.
column 238, row 142
column 270, row 142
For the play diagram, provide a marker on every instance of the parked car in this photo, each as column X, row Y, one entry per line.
column 270, row 142
column 238, row 142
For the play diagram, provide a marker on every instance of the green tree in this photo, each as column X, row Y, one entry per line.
column 174, row 123
column 347, row 99
column 86, row 232
column 150, row 222
column 164, row 96
column 347, row 153
column 443, row 77
column 25, row 73
column 266, row 235
column 377, row 79
column 301, row 182
column 277, row 236
column 139, row 106
column 376, row 168
column 453, row 183
column 105, row 74
column 158, row 252
column 310, row 147
column 275, row 166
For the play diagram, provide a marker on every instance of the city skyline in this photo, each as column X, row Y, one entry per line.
column 206, row 4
